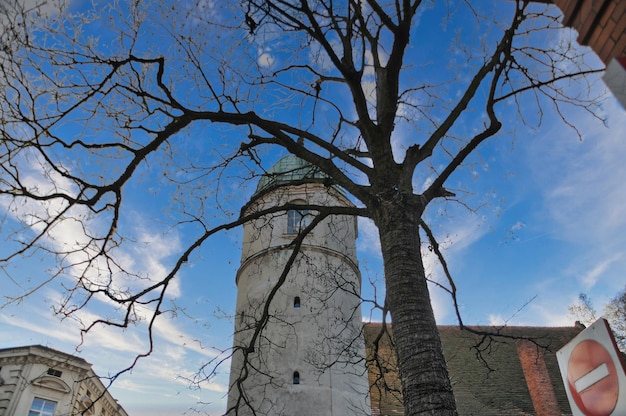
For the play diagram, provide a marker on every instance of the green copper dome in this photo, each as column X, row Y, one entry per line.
column 289, row 169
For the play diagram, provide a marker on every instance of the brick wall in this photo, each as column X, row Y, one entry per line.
column 601, row 24
column 537, row 378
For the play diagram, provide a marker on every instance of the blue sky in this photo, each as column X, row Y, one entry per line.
column 542, row 220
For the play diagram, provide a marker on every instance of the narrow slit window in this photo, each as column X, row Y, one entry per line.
column 296, row 302
column 296, row 377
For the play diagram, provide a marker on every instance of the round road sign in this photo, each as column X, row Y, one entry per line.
column 592, row 379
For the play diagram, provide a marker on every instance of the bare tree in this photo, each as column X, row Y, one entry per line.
column 96, row 100
column 614, row 312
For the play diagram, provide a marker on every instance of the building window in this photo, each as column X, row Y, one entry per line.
column 41, row 407
column 296, row 302
column 55, row 373
column 297, row 220
column 296, row 377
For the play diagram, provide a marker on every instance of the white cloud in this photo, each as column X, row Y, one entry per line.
column 369, row 240
column 369, row 67
column 265, row 58
column 426, row 183
column 42, row 321
column 453, row 239
column 369, row 90
column 177, row 353
column 319, row 58
column 150, row 253
column 461, row 231
column 518, row 226
column 76, row 233
column 496, row 320
column 441, row 303
column 584, row 198
column 550, row 313
column 590, row 278
column 127, row 341
column 47, row 8
column 166, row 329
column 130, row 385
column 39, row 326
column 584, row 183
column 163, row 381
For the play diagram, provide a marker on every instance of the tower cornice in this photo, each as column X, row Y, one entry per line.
column 305, row 247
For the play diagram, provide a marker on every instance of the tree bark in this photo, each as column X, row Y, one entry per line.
column 426, row 386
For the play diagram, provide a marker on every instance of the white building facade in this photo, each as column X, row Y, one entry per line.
column 298, row 343
column 41, row 381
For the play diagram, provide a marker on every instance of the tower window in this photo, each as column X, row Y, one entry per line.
column 296, row 302
column 297, row 220
column 296, row 377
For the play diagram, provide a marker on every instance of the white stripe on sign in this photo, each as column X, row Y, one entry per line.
column 591, row 377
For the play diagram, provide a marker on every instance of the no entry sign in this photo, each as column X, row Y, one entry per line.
column 593, row 374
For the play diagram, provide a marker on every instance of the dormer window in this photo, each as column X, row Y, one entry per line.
column 297, row 220
column 55, row 373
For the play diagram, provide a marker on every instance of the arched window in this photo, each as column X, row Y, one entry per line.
column 296, row 302
column 297, row 220
column 296, row 377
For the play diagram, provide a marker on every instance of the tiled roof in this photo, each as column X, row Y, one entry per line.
column 289, row 169
column 486, row 372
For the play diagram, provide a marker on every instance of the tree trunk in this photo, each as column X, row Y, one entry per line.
column 426, row 386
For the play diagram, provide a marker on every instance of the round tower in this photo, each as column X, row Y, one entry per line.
column 298, row 346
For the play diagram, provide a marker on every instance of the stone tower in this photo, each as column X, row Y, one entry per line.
column 309, row 357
